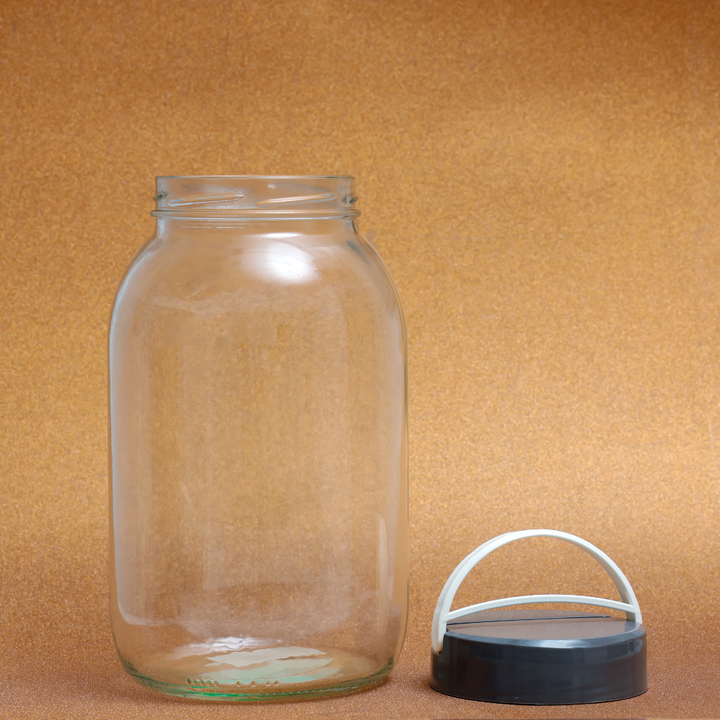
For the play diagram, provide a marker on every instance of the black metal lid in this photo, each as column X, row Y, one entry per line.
column 541, row 657
column 538, row 657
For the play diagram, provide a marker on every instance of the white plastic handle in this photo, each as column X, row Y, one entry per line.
column 442, row 611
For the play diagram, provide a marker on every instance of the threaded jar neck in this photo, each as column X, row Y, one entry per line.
column 246, row 196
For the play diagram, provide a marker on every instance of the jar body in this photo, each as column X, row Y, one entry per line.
column 258, row 404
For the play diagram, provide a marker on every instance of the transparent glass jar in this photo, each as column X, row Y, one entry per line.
column 258, row 412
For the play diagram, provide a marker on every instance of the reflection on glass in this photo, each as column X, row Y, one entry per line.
column 279, row 262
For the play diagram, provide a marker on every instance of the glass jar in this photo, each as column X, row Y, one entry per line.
column 258, row 412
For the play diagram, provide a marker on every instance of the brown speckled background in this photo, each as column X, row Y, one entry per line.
column 543, row 179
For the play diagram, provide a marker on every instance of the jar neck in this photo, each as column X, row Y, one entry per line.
column 236, row 230
column 207, row 197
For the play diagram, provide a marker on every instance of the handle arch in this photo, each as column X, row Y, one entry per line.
column 442, row 615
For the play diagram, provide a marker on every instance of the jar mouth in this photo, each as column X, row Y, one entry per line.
column 255, row 177
column 255, row 195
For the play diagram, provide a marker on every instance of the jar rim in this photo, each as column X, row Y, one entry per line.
column 254, row 196
column 256, row 177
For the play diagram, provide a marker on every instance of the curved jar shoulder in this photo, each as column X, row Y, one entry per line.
column 206, row 270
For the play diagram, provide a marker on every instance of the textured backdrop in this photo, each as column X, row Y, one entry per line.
column 542, row 178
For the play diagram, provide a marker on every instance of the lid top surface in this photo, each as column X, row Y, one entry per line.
column 540, row 625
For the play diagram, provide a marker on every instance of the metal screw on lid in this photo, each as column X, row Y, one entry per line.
column 538, row 657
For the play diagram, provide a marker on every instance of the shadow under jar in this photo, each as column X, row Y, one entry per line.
column 258, row 412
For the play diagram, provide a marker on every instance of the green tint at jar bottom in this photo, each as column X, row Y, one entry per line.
column 264, row 674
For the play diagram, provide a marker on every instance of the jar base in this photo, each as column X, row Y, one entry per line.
column 334, row 672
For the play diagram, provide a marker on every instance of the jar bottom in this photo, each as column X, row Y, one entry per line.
column 270, row 674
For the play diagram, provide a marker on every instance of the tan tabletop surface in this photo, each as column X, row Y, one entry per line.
column 543, row 179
